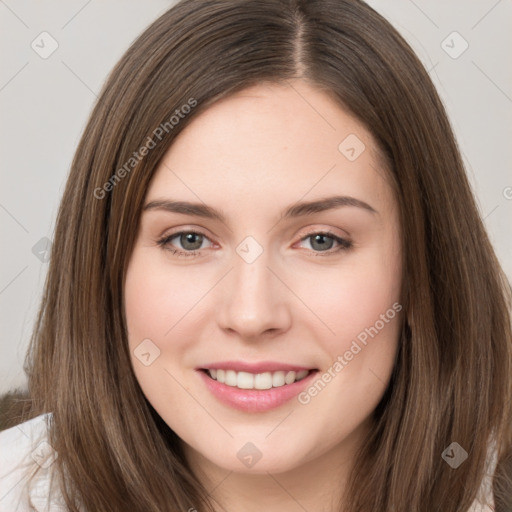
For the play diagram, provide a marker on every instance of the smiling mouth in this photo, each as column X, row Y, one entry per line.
column 257, row 381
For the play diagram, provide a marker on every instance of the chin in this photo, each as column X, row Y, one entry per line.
column 241, row 455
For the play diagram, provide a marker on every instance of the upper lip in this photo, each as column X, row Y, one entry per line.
column 254, row 367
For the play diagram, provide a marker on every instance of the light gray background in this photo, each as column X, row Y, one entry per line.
column 44, row 104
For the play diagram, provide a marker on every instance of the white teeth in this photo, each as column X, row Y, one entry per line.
column 263, row 380
column 301, row 374
column 290, row 377
column 230, row 378
column 244, row 380
column 266, row 380
column 278, row 379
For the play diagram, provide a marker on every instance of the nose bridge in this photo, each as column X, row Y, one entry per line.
column 251, row 301
column 251, row 281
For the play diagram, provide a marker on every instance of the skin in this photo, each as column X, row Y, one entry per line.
column 251, row 156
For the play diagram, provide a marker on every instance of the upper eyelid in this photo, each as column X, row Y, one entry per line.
column 303, row 231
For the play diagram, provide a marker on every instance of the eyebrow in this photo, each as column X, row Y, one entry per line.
column 296, row 210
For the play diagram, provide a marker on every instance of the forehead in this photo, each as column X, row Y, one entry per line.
column 267, row 141
column 277, row 116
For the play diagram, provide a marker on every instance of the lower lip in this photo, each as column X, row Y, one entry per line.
column 255, row 400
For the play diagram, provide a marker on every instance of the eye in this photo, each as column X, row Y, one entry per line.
column 190, row 241
column 323, row 242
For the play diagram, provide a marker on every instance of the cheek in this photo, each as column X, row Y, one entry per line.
column 357, row 297
column 157, row 297
column 155, row 301
column 367, row 303
column 363, row 309
column 361, row 306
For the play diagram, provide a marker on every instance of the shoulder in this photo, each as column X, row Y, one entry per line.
column 485, row 499
column 25, row 452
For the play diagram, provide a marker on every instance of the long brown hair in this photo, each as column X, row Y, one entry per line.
column 451, row 382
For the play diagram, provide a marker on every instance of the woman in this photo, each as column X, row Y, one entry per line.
column 187, row 357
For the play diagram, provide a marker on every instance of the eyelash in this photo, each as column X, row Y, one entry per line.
column 344, row 245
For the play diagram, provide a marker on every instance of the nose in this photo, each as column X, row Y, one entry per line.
column 253, row 302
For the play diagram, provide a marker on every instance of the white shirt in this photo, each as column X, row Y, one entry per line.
column 25, row 447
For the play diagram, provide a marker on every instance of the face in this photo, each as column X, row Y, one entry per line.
column 263, row 293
